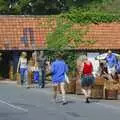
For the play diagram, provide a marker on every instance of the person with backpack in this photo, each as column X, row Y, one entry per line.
column 87, row 78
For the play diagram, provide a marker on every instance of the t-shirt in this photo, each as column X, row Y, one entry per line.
column 23, row 63
column 87, row 69
column 111, row 60
column 35, row 69
column 41, row 62
column 58, row 69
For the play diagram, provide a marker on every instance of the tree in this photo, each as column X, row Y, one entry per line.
column 31, row 6
column 65, row 37
column 3, row 6
column 47, row 7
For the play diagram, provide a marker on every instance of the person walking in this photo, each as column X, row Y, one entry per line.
column 87, row 78
column 58, row 71
column 23, row 69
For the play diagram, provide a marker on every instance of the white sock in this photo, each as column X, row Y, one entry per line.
column 89, row 92
column 63, row 98
column 85, row 93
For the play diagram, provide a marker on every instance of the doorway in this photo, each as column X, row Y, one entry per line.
column 4, row 65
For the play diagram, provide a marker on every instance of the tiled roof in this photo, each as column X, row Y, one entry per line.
column 25, row 32
column 105, row 35
column 22, row 32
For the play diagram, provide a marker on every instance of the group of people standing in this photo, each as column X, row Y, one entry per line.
column 36, row 65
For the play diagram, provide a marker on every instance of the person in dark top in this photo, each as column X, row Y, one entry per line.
column 41, row 59
column 103, row 72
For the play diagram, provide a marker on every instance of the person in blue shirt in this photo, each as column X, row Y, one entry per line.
column 111, row 60
column 58, row 71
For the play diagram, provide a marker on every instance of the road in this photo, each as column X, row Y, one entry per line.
column 36, row 104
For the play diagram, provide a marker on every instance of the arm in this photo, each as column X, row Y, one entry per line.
column 66, row 68
column 81, row 68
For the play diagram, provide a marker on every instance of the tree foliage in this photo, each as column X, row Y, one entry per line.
column 66, row 35
column 85, row 16
column 46, row 7
column 35, row 7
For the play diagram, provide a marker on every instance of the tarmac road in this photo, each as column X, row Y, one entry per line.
column 37, row 104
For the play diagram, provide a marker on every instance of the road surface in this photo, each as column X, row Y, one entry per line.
column 36, row 104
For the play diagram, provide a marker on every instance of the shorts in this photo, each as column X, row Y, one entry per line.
column 56, row 83
column 111, row 70
column 87, row 80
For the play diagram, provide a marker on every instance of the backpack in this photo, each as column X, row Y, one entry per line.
column 117, row 67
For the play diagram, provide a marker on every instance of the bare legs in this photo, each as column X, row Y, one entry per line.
column 54, row 92
column 87, row 92
column 61, row 86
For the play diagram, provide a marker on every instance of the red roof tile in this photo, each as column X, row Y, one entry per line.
column 25, row 32
column 22, row 32
column 106, row 36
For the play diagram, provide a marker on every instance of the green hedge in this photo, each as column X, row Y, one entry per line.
column 88, row 16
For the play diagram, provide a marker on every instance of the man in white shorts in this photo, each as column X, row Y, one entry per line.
column 111, row 60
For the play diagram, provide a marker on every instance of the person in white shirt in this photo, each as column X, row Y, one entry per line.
column 23, row 68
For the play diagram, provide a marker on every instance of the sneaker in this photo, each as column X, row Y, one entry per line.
column 41, row 86
column 87, row 100
column 28, row 87
column 64, row 102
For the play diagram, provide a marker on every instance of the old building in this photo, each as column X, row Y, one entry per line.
column 25, row 33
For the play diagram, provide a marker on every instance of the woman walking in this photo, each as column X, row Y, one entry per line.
column 87, row 78
column 23, row 69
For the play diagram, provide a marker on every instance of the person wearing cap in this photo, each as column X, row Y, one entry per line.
column 58, row 71
column 111, row 61
column 23, row 68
